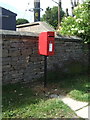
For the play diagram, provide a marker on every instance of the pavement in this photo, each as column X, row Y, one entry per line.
column 82, row 109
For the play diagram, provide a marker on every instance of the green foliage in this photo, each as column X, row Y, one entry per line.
column 79, row 95
column 21, row 21
column 79, row 24
column 51, row 16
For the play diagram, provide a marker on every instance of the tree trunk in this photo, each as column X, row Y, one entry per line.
column 89, row 58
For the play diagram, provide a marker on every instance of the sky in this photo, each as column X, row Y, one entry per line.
column 20, row 6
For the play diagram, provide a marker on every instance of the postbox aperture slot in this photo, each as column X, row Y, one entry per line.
column 51, row 36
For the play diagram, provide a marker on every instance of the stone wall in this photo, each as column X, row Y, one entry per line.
column 21, row 61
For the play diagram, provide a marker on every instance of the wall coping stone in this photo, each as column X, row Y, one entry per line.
column 9, row 33
column 17, row 33
column 69, row 38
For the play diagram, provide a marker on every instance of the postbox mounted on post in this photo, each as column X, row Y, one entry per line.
column 46, row 43
column 46, row 48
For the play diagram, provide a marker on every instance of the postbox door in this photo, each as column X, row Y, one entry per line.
column 42, row 43
column 50, row 43
column 51, row 46
column 46, row 43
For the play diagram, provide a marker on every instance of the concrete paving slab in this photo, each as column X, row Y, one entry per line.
column 73, row 104
column 89, row 111
column 80, row 108
column 84, row 113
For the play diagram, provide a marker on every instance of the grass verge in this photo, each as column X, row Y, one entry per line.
column 29, row 100
column 23, row 101
column 77, row 87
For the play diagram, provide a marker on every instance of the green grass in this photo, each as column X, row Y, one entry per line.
column 80, row 89
column 80, row 95
column 29, row 100
column 22, row 101
column 77, row 87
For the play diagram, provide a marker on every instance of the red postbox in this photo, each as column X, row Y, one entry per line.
column 46, row 43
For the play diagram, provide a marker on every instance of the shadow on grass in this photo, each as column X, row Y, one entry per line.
column 75, row 85
column 18, row 95
column 19, row 98
column 21, row 101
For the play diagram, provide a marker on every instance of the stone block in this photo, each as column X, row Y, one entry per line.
column 4, row 53
column 21, row 61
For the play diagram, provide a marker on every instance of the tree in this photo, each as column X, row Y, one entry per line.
column 51, row 16
column 21, row 21
column 78, row 25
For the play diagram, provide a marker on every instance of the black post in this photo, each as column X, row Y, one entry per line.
column 45, row 71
